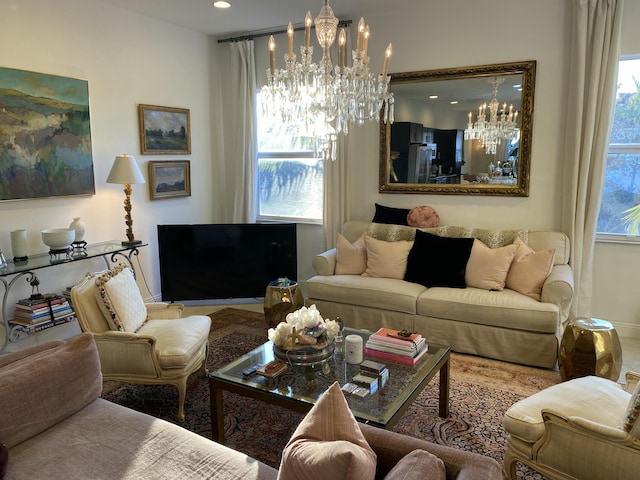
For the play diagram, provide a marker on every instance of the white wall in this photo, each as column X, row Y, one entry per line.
column 127, row 60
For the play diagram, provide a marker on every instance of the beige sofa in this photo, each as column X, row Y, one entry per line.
column 55, row 426
column 504, row 325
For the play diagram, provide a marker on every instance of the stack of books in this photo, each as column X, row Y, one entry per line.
column 41, row 313
column 397, row 346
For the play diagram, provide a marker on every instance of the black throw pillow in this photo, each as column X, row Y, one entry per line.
column 436, row 261
column 391, row 215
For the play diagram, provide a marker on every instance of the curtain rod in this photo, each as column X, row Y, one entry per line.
column 251, row 36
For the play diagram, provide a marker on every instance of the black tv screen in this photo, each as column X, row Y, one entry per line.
column 224, row 261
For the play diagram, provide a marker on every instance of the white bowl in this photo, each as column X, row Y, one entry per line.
column 58, row 238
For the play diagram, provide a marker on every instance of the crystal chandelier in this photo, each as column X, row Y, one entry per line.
column 322, row 100
column 499, row 127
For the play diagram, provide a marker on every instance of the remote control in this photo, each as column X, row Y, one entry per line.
column 251, row 370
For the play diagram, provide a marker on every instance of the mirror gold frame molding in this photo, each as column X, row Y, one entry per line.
column 527, row 71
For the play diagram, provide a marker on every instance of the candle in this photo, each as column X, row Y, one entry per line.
column 387, row 55
column 342, row 43
column 470, row 117
column 308, row 19
column 272, row 54
column 290, row 38
column 360, row 34
column 365, row 42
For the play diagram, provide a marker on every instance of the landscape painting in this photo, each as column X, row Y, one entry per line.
column 169, row 179
column 45, row 136
column 164, row 130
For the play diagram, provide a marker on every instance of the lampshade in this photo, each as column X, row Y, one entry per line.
column 125, row 170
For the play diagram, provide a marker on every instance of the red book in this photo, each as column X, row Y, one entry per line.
column 396, row 358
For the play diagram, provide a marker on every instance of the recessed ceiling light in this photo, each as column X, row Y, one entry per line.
column 453, row 102
column 432, row 97
column 221, row 4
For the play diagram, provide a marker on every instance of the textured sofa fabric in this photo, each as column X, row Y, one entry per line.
column 505, row 324
column 57, row 429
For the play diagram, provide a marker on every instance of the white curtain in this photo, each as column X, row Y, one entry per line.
column 594, row 55
column 243, row 147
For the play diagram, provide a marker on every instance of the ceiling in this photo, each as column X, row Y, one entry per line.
column 247, row 16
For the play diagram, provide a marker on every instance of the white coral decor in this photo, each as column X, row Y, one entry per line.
column 303, row 327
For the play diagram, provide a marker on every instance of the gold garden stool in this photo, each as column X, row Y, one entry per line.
column 590, row 346
column 283, row 296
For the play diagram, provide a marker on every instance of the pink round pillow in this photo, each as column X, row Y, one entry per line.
column 423, row 217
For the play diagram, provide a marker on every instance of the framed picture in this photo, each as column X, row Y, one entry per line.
column 45, row 136
column 164, row 130
column 169, row 179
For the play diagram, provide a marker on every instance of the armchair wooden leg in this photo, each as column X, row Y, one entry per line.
column 182, row 393
column 510, row 465
column 204, row 369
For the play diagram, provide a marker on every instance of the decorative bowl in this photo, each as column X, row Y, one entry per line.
column 58, row 238
column 307, row 355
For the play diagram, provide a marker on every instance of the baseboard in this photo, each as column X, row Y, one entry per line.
column 627, row 330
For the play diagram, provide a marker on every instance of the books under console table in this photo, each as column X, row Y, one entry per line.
column 110, row 252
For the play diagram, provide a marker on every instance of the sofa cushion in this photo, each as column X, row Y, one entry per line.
column 390, row 215
column 423, row 216
column 505, row 309
column 351, row 258
column 438, row 261
column 529, row 270
column 43, row 389
column 386, row 259
column 487, row 268
column 328, row 443
column 120, row 300
column 631, row 421
column 418, row 465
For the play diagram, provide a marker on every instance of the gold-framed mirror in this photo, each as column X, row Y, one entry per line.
column 430, row 147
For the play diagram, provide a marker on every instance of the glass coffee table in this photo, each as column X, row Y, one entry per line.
column 299, row 387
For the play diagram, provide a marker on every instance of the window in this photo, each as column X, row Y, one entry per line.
column 617, row 218
column 290, row 174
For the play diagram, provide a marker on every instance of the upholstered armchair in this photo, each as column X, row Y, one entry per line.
column 575, row 430
column 142, row 343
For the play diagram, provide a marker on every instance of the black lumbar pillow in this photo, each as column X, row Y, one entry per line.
column 391, row 215
column 436, row 261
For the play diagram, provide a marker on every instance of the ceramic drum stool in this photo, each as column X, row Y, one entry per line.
column 590, row 346
column 282, row 297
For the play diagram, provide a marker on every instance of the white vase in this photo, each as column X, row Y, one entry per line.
column 79, row 227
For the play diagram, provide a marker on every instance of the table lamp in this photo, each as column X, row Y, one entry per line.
column 125, row 171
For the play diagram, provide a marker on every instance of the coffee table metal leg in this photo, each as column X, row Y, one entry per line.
column 217, row 413
column 444, row 390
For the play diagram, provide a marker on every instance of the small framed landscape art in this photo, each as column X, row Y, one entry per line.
column 164, row 130
column 169, row 179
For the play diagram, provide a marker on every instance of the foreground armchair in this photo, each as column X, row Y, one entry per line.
column 574, row 430
column 140, row 343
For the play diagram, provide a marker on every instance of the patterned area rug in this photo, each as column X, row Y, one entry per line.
column 481, row 391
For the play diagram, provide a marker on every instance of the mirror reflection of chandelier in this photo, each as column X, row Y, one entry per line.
column 323, row 100
column 499, row 127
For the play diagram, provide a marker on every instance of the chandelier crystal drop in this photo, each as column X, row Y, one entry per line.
column 503, row 126
column 323, row 100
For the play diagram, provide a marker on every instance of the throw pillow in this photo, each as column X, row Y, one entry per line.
column 351, row 258
column 631, row 423
column 438, row 261
column 396, row 216
column 328, row 444
column 488, row 267
column 386, row 259
column 529, row 270
column 423, row 217
column 119, row 299
column 418, row 465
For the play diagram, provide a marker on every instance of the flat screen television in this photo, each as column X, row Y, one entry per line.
column 224, row 261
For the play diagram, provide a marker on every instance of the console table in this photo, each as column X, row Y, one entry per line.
column 108, row 251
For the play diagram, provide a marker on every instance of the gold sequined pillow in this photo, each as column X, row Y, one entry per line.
column 119, row 299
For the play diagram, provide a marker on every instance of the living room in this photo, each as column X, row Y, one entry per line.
column 130, row 59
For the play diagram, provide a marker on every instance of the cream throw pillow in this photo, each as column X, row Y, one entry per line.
column 351, row 258
column 119, row 299
column 487, row 268
column 529, row 270
column 328, row 444
column 418, row 465
column 386, row 259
